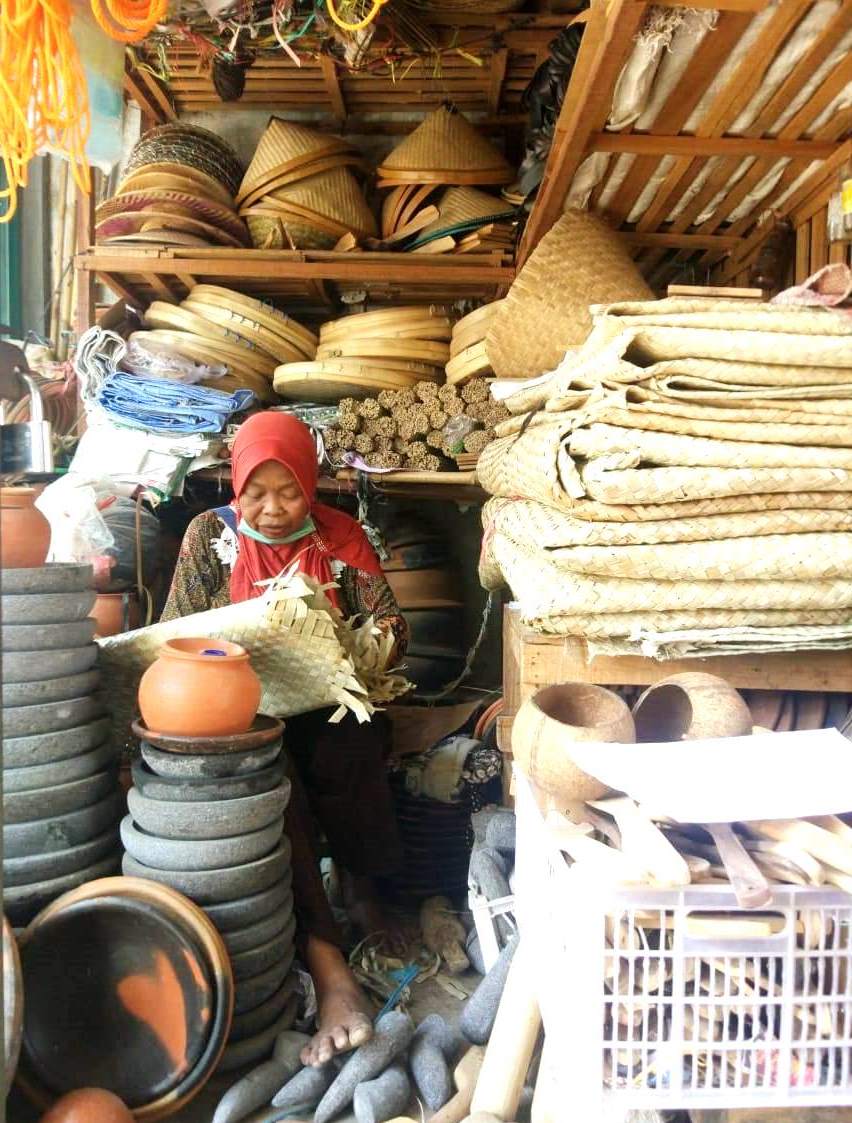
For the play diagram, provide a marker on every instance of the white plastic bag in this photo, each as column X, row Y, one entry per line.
column 78, row 533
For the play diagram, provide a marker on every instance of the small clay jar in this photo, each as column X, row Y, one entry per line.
column 88, row 1105
column 115, row 612
column 200, row 688
column 24, row 531
column 690, row 706
column 548, row 723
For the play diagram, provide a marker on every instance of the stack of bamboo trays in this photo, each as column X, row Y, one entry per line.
column 217, row 324
column 388, row 349
column 468, row 351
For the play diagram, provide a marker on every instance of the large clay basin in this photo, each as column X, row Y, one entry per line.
column 690, row 706
column 548, row 723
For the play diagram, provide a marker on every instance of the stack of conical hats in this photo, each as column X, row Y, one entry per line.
column 299, row 190
column 216, row 324
column 178, row 190
column 445, row 151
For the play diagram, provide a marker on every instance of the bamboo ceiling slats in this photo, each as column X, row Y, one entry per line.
column 482, row 64
column 695, row 214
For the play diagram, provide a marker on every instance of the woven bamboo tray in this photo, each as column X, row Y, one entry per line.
column 250, row 330
column 265, row 314
column 414, row 350
column 468, row 364
column 172, row 317
column 331, row 380
column 606, row 624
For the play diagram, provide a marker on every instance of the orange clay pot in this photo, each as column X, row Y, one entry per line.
column 88, row 1105
column 199, row 688
column 24, row 531
column 112, row 610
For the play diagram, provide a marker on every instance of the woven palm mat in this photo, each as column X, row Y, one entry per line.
column 726, row 641
column 765, row 401
column 552, row 529
column 306, row 656
column 543, row 588
column 724, row 315
column 675, row 450
column 634, row 624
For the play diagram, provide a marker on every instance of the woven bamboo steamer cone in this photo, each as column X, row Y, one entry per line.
column 425, row 351
column 133, row 221
column 254, row 334
column 202, row 351
column 472, row 328
column 278, row 232
column 304, row 170
column 174, row 202
column 445, row 148
column 332, row 380
column 383, row 319
column 284, row 143
column 336, row 194
column 266, row 314
column 176, row 177
column 173, row 317
column 294, row 214
column 468, row 364
column 460, row 205
column 579, row 262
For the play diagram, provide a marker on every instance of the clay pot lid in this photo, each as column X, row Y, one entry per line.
column 118, row 997
column 204, row 963
column 192, row 648
column 264, row 731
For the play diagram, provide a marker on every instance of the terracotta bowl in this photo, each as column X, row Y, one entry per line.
column 132, row 991
column 548, row 723
column 690, row 706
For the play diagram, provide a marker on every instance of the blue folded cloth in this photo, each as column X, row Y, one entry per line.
column 161, row 405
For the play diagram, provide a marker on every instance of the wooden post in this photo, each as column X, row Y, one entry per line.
column 85, row 313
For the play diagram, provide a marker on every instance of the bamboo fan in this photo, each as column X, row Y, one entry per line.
column 266, row 314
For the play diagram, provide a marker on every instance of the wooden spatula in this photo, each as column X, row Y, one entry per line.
column 750, row 887
column 645, row 844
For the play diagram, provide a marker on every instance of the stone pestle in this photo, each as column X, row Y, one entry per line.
column 433, row 1049
column 480, row 1010
column 257, row 1088
column 391, row 1038
column 376, row 1101
column 306, row 1088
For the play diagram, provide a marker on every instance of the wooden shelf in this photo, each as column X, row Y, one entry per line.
column 410, row 485
column 308, row 279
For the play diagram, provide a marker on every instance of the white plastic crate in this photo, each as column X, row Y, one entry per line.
column 485, row 915
column 649, row 1004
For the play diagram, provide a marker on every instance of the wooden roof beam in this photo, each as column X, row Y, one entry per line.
column 607, row 42
column 148, row 94
column 771, row 148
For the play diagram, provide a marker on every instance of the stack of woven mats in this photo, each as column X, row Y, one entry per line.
column 682, row 483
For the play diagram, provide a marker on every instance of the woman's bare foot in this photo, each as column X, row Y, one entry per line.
column 344, row 1017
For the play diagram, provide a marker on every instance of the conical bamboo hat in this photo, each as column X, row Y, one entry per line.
column 461, row 205
column 445, row 148
column 334, row 195
column 286, row 144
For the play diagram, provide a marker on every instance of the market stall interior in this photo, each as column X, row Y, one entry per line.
column 425, row 600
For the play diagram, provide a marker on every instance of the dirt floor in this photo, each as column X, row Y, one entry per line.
column 427, row 998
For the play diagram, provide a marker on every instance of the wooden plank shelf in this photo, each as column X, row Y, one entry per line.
column 302, row 279
column 453, row 487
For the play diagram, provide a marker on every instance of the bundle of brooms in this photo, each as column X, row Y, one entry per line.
column 425, row 428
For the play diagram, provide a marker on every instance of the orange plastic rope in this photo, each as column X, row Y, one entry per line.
column 129, row 20
column 43, row 94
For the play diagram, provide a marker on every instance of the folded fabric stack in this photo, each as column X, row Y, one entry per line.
column 299, row 191
column 433, row 204
column 249, row 337
column 683, row 482
column 178, row 190
column 159, row 405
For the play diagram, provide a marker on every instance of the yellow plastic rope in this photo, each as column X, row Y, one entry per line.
column 365, row 22
column 43, row 94
column 129, row 20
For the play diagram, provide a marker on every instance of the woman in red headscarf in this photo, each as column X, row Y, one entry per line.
column 338, row 771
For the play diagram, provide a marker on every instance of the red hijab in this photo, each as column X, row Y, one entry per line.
column 338, row 537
